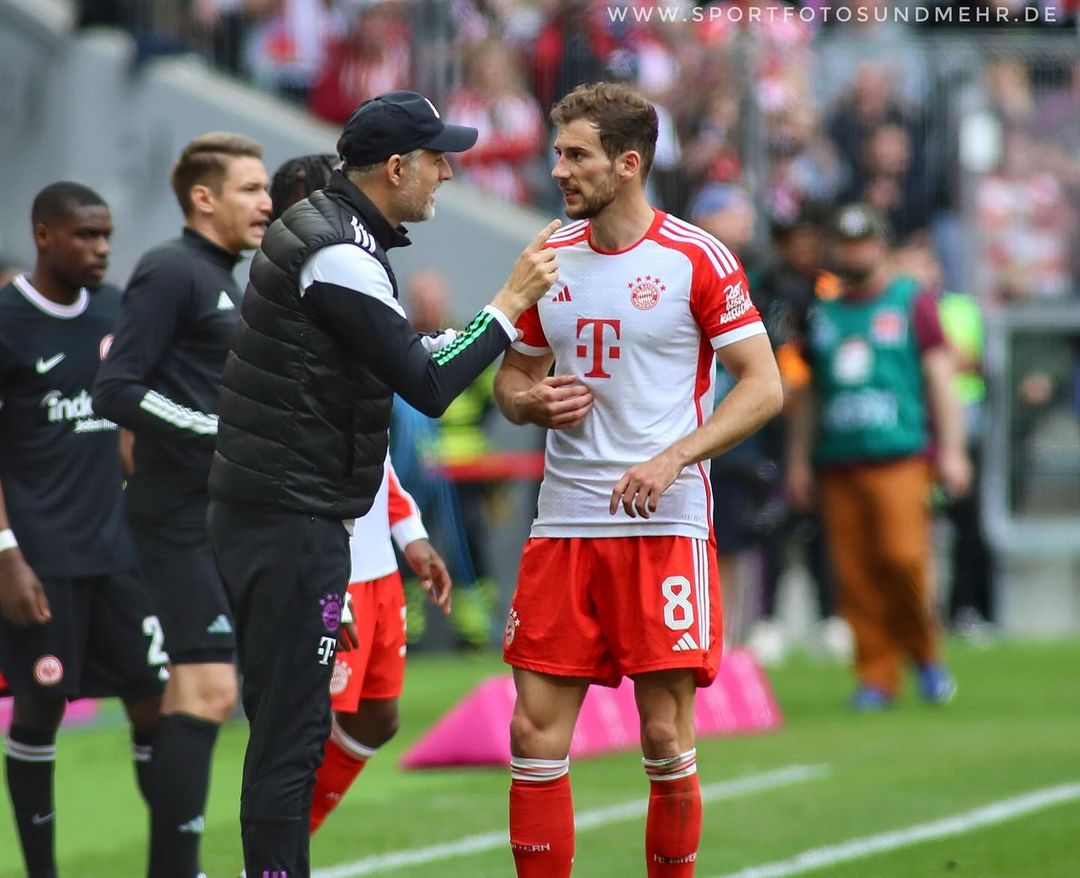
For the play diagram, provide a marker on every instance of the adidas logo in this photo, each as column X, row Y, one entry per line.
column 564, row 296
column 224, row 303
column 196, row 825
column 221, row 625
column 685, row 642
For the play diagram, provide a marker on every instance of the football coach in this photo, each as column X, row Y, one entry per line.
column 322, row 347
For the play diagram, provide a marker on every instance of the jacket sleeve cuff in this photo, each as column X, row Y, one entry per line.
column 504, row 322
column 408, row 530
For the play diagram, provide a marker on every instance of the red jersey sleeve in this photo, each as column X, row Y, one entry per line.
column 720, row 297
column 533, row 342
column 405, row 523
column 927, row 322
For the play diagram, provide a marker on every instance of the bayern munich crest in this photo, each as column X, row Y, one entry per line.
column 339, row 681
column 512, row 622
column 645, row 292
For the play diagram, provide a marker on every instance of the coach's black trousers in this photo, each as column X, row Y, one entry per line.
column 285, row 574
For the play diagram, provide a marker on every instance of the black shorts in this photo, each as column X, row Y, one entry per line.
column 179, row 570
column 103, row 640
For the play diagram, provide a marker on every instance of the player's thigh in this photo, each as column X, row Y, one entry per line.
column 181, row 575
column 49, row 661
column 385, row 675
column 658, row 600
column 545, row 713
column 665, row 703
column 374, row 721
column 552, row 627
column 125, row 654
column 350, row 668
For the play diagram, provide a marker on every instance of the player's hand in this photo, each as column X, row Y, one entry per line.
column 534, row 273
column 641, row 486
column 22, row 597
column 347, row 639
column 801, row 490
column 954, row 472
column 434, row 577
column 560, row 402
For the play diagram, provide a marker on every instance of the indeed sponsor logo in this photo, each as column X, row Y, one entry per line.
column 79, row 409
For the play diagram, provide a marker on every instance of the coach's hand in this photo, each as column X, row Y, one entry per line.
column 534, row 273
column 434, row 577
column 641, row 486
column 559, row 402
column 22, row 597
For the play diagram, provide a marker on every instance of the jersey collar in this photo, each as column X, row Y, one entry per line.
column 219, row 254
column 53, row 309
column 387, row 236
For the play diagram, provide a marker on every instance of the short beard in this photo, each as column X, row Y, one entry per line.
column 416, row 206
column 590, row 207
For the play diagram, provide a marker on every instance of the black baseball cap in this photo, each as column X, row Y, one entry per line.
column 396, row 123
column 855, row 221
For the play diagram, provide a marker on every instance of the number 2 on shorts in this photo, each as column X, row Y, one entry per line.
column 678, row 611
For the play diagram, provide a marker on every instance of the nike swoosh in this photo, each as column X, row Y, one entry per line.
column 44, row 366
column 38, row 820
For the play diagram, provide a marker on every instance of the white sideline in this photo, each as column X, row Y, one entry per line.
column 988, row 815
column 488, row 841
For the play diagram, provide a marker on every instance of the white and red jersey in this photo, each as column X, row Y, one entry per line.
column 639, row 327
column 394, row 513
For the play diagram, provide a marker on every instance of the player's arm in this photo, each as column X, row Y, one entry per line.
column 801, row 407
column 756, row 397
column 350, row 293
column 946, row 413
column 22, row 597
column 408, row 531
column 525, row 394
column 156, row 303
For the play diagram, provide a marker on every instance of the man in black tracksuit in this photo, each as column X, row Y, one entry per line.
column 322, row 347
column 161, row 381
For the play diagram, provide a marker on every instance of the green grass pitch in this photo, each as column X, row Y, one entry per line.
column 1014, row 728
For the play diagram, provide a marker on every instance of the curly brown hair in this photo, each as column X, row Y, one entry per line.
column 624, row 118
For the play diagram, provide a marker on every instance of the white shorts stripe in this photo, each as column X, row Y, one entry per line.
column 703, row 593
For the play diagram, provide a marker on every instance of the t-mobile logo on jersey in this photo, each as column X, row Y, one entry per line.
column 326, row 649
column 599, row 327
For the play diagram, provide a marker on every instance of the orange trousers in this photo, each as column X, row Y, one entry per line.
column 877, row 523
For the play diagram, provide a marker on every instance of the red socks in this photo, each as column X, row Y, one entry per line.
column 541, row 818
column 343, row 759
column 673, row 827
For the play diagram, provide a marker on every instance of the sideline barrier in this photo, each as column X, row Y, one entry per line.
column 475, row 731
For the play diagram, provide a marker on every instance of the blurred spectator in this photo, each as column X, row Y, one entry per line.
column 288, row 44
column 804, row 168
column 572, row 47
column 783, row 293
column 511, row 126
column 892, row 184
column 881, row 371
column 971, row 597
column 372, row 58
column 1024, row 222
column 726, row 211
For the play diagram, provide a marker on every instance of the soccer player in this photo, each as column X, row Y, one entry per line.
column 74, row 619
column 369, row 671
column 161, row 381
column 618, row 577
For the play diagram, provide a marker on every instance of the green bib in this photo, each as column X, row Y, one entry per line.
column 868, row 375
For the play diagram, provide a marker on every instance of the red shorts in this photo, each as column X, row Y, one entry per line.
column 376, row 668
column 610, row 607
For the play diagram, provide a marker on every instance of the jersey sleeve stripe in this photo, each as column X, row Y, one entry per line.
column 747, row 330
column 726, row 256
column 571, row 231
column 178, row 415
column 723, row 265
column 530, row 350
